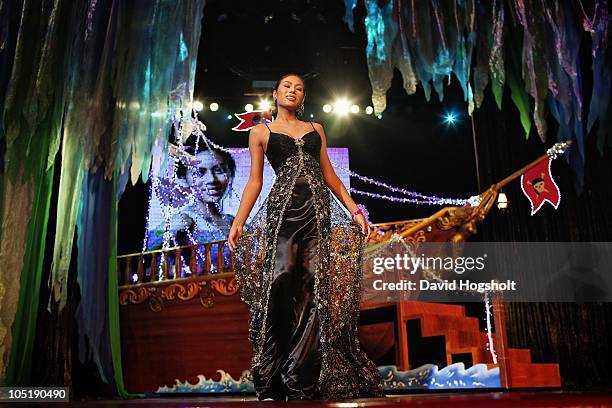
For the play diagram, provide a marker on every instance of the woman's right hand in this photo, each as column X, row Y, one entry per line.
column 234, row 234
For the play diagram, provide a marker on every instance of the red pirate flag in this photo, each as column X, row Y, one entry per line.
column 250, row 119
column 538, row 185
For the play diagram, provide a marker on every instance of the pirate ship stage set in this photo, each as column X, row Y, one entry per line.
column 186, row 333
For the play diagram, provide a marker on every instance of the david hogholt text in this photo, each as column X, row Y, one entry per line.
column 463, row 285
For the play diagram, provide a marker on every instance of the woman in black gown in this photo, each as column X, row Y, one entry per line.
column 298, row 264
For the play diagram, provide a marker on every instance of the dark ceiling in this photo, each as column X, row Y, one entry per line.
column 244, row 41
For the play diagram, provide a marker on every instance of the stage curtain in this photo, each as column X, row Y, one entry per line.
column 31, row 121
column 129, row 81
column 101, row 79
column 574, row 335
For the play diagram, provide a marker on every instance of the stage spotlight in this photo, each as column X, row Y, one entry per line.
column 379, row 116
column 229, row 116
column 311, row 116
column 369, row 110
column 341, row 107
column 327, row 108
column 450, row 118
column 248, row 107
column 198, row 105
column 214, row 106
column 264, row 105
column 354, row 108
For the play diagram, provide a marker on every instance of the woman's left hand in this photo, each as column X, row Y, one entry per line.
column 363, row 223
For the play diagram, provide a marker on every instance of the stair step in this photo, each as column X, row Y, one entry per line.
column 409, row 308
column 483, row 356
column 519, row 355
column 431, row 322
column 367, row 305
column 472, row 351
column 480, row 355
column 460, row 332
column 455, row 339
column 523, row 375
column 459, row 338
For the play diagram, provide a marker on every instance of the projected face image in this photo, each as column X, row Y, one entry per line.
column 199, row 202
column 210, row 177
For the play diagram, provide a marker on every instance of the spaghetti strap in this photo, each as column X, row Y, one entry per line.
column 313, row 127
column 268, row 127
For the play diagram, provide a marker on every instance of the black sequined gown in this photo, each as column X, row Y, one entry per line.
column 298, row 266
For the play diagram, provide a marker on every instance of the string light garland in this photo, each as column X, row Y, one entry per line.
column 557, row 149
column 422, row 198
column 147, row 222
column 428, row 201
column 474, row 201
column 391, row 188
column 490, row 344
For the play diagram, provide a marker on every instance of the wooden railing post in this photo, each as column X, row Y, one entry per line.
column 231, row 262
column 128, row 270
column 153, row 267
column 165, row 264
column 220, row 258
column 178, row 263
column 119, row 275
column 140, row 269
column 207, row 263
column 193, row 261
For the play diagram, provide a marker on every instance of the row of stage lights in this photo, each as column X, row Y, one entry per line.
column 340, row 107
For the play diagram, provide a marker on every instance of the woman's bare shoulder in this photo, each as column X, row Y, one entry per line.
column 259, row 129
column 258, row 133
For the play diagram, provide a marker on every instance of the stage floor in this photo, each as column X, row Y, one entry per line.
column 454, row 400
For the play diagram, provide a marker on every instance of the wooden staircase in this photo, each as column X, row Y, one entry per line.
column 463, row 341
